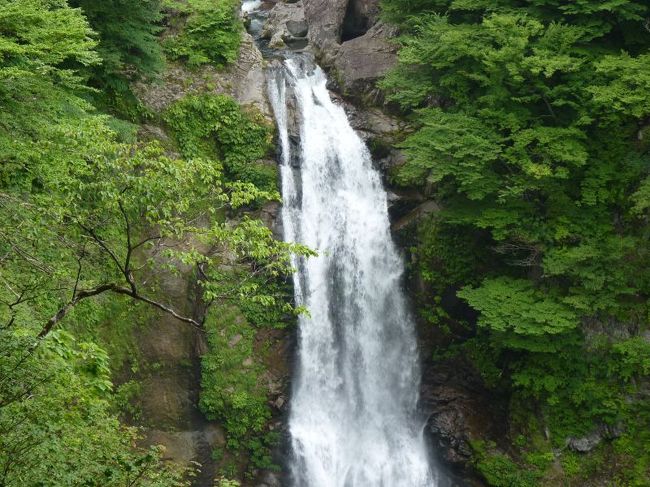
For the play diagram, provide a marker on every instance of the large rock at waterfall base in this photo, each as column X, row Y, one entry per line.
column 460, row 411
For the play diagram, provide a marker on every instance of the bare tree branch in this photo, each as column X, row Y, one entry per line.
column 145, row 241
column 129, row 248
column 103, row 245
column 160, row 306
column 61, row 313
column 76, row 282
column 88, row 293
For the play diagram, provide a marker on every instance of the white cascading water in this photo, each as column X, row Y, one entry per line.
column 353, row 420
column 249, row 6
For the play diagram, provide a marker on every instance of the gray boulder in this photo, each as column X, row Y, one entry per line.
column 297, row 28
column 372, row 123
column 592, row 440
column 586, row 443
column 361, row 61
column 325, row 19
column 286, row 25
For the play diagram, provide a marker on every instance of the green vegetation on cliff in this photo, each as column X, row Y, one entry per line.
column 215, row 125
column 210, row 32
column 531, row 125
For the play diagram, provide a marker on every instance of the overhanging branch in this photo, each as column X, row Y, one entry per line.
column 114, row 288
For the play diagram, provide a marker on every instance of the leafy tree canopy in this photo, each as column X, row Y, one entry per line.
column 127, row 32
column 88, row 214
column 210, row 33
column 530, row 129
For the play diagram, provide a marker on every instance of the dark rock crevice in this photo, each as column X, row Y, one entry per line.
column 357, row 20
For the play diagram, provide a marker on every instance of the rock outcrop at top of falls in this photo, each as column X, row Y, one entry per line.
column 345, row 35
column 361, row 61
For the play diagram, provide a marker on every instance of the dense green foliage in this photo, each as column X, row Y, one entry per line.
column 38, row 92
column 90, row 219
column 531, row 127
column 235, row 379
column 210, row 32
column 216, row 126
column 127, row 35
column 233, row 388
column 56, row 421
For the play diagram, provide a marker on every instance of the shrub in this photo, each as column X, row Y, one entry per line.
column 211, row 34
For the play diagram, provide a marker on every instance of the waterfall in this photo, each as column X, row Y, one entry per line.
column 353, row 420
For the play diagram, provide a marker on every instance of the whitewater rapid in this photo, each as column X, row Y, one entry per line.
column 353, row 419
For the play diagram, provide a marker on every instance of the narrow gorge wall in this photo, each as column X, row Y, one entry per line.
column 165, row 373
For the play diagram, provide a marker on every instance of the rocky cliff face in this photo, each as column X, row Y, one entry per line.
column 168, row 372
column 244, row 81
column 349, row 39
column 345, row 35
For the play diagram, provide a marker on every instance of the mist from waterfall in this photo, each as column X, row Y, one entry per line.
column 353, row 419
